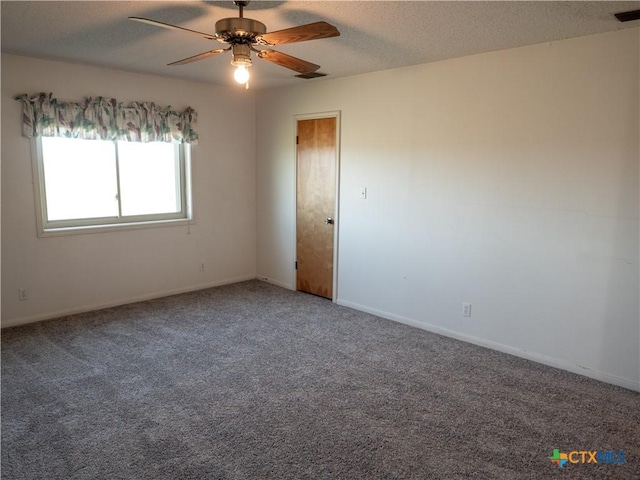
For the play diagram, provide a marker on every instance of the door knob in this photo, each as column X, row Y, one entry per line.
column 329, row 221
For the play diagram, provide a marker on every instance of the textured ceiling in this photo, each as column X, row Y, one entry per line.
column 375, row 35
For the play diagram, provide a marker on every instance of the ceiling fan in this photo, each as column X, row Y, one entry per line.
column 241, row 34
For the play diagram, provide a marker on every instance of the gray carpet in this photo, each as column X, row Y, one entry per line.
column 251, row 381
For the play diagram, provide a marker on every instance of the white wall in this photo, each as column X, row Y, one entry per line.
column 508, row 180
column 80, row 272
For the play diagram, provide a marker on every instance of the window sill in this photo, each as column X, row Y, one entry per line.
column 116, row 227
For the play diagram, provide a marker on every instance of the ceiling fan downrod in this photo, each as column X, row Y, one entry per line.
column 241, row 4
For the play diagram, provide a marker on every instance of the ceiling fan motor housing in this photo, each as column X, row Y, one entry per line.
column 239, row 30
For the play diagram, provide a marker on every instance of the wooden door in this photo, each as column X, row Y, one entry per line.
column 315, row 210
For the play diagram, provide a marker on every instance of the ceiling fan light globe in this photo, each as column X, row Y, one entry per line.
column 241, row 75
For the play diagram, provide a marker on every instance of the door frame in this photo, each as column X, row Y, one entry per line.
column 312, row 116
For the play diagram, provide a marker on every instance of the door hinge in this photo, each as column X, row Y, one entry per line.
column 296, row 265
column 297, row 140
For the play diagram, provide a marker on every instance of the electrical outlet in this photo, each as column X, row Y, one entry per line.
column 202, row 266
column 466, row 309
column 23, row 294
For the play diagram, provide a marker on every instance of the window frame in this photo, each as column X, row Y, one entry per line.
column 47, row 228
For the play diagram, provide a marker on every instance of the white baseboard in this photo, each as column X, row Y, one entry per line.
column 275, row 282
column 536, row 357
column 124, row 301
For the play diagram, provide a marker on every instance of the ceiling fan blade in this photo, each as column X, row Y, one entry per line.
column 287, row 61
column 173, row 27
column 311, row 31
column 200, row 56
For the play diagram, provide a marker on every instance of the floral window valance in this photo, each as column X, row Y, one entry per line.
column 102, row 118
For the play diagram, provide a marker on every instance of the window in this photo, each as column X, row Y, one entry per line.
column 94, row 184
